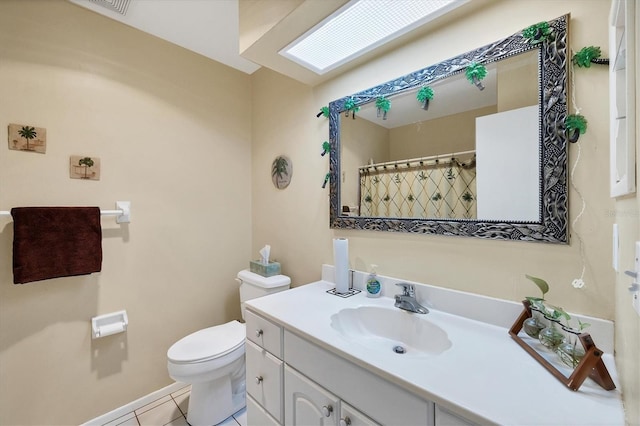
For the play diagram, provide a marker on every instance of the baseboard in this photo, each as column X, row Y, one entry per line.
column 132, row 406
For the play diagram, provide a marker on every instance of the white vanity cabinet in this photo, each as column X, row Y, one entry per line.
column 306, row 403
column 296, row 382
column 362, row 396
column 349, row 416
column 264, row 371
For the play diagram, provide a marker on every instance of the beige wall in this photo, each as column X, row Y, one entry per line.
column 295, row 221
column 439, row 136
column 172, row 130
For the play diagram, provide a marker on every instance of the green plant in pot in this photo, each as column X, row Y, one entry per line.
column 569, row 351
column 532, row 326
column 551, row 336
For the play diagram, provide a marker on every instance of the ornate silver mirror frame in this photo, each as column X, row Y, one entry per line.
column 553, row 215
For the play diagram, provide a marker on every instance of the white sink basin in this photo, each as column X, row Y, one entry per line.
column 391, row 330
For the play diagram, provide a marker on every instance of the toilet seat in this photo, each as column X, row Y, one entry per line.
column 208, row 344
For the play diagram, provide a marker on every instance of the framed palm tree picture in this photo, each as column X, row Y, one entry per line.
column 281, row 171
column 83, row 167
column 27, row 138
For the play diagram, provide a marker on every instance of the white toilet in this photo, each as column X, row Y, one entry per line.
column 212, row 359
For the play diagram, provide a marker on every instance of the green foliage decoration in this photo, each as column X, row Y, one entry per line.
column 323, row 111
column 537, row 33
column 350, row 106
column 383, row 104
column 326, row 148
column 475, row 71
column 544, row 289
column 585, row 56
column 576, row 122
column 425, row 93
column 326, row 180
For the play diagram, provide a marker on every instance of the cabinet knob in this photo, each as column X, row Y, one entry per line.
column 259, row 333
column 346, row 421
column 258, row 380
column 327, row 410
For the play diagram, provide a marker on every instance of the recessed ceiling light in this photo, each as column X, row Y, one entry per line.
column 359, row 27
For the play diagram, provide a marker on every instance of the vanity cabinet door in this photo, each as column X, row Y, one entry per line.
column 307, row 403
column 264, row 379
column 258, row 416
column 349, row 416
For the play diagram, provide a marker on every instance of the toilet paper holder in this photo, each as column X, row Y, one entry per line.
column 108, row 324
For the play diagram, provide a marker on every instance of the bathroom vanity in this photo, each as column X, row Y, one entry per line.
column 316, row 358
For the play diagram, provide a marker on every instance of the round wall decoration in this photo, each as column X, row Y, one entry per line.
column 281, row 171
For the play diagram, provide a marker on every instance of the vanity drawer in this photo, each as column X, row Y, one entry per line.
column 264, row 379
column 264, row 333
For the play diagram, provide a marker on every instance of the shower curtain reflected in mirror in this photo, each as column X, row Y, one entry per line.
column 419, row 190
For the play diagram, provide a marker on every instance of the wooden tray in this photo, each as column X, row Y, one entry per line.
column 590, row 366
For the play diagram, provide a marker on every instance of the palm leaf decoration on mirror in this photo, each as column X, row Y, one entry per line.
column 425, row 94
column 350, row 106
column 476, row 72
column 575, row 125
column 587, row 56
column 537, row 33
column 383, row 105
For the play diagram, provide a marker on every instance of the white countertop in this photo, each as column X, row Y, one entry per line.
column 484, row 376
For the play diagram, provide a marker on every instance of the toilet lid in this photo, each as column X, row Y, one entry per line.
column 208, row 343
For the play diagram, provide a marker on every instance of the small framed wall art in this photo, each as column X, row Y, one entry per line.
column 83, row 167
column 281, row 171
column 23, row 137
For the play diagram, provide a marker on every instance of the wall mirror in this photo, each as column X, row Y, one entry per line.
column 488, row 163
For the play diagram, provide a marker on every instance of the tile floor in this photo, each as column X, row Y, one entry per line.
column 170, row 410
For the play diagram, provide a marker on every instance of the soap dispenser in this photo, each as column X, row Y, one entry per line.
column 374, row 289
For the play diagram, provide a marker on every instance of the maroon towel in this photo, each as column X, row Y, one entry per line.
column 51, row 242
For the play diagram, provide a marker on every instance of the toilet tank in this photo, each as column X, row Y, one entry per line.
column 253, row 285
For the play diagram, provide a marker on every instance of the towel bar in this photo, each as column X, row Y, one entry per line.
column 123, row 212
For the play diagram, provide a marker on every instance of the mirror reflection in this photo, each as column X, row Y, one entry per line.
column 448, row 159
column 493, row 165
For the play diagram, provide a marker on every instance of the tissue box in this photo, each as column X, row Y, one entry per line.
column 257, row 267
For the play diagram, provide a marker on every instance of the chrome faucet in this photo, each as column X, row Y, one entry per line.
column 407, row 300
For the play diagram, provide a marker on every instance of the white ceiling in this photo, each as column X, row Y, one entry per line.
column 207, row 27
column 211, row 28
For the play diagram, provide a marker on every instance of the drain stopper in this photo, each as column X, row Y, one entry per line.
column 399, row 349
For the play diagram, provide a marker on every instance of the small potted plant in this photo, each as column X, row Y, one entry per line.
column 569, row 352
column 532, row 326
column 551, row 337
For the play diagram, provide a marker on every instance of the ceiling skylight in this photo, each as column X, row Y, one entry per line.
column 359, row 27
